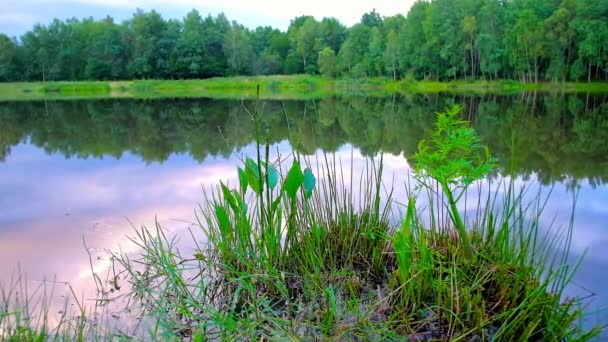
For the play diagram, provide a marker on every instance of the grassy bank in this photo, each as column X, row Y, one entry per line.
column 271, row 87
column 302, row 251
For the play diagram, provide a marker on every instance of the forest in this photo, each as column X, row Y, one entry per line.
column 523, row 40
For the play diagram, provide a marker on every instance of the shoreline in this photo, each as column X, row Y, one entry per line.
column 278, row 87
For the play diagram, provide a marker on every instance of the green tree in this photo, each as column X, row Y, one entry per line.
column 214, row 62
column 412, row 41
column 268, row 63
column 106, row 55
column 145, row 31
column 237, row 48
column 8, row 50
column 391, row 54
column 372, row 19
column 270, row 47
column 327, row 62
column 592, row 50
column 525, row 43
column 307, row 43
column 469, row 26
column 190, row 46
column 559, row 35
column 332, row 33
column 374, row 56
column 490, row 39
column 353, row 51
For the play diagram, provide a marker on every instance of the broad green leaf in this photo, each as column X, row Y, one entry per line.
column 294, row 180
column 256, row 182
column 228, row 197
column 272, row 176
column 243, row 180
column 242, row 204
column 309, row 183
column 252, row 166
column 402, row 242
column 223, row 221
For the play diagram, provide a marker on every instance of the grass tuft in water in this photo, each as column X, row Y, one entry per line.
column 26, row 313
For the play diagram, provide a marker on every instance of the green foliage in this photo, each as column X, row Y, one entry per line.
column 238, row 50
column 327, row 62
column 334, row 274
column 254, row 178
column 272, row 176
column 293, row 181
column 403, row 242
column 243, row 181
column 453, row 154
column 307, row 43
column 26, row 314
column 454, row 157
column 7, row 55
column 308, row 183
column 520, row 40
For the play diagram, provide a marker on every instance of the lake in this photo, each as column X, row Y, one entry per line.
column 85, row 172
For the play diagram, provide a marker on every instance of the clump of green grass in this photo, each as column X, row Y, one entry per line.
column 292, row 256
column 27, row 314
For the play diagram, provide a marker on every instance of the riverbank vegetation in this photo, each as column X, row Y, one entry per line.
column 276, row 87
column 292, row 251
column 526, row 41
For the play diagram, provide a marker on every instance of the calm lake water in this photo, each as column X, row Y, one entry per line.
column 77, row 171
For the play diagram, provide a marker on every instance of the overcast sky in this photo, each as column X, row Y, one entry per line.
column 19, row 16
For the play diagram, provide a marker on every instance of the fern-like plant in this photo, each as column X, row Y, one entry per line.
column 454, row 157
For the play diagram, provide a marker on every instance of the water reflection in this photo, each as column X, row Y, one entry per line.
column 552, row 136
column 52, row 203
column 79, row 169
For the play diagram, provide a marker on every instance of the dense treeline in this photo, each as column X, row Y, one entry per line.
column 526, row 40
column 553, row 137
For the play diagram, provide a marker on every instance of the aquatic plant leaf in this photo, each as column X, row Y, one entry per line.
column 402, row 242
column 229, row 197
column 242, row 180
column 256, row 182
column 241, row 202
column 294, row 180
column 223, row 221
column 272, row 176
column 309, row 183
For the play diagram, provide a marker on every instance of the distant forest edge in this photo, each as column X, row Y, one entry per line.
column 523, row 40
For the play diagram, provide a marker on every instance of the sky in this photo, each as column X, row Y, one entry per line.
column 19, row 16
